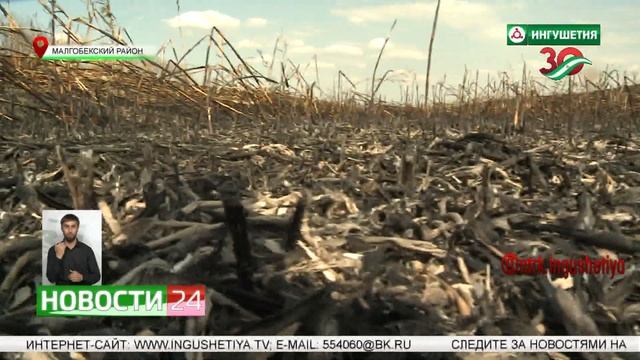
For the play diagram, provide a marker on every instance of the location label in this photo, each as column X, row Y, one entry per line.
column 40, row 44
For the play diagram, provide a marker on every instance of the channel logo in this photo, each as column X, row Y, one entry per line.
column 567, row 61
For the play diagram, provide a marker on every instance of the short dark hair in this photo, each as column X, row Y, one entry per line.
column 69, row 217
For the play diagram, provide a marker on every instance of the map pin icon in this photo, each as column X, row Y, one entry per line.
column 40, row 44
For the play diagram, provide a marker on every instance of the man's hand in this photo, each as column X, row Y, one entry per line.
column 59, row 248
column 75, row 276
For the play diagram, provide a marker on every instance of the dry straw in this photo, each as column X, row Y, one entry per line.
column 36, row 96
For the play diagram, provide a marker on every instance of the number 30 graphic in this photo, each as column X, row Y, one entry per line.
column 551, row 59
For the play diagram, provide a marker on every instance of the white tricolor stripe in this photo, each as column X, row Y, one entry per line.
column 564, row 68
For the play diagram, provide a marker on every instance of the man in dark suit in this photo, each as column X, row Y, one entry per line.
column 71, row 262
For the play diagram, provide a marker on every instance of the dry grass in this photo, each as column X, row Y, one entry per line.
column 36, row 97
column 379, row 218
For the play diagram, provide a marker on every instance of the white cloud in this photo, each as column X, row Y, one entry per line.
column 394, row 51
column 257, row 22
column 304, row 49
column 265, row 60
column 405, row 53
column 483, row 73
column 295, row 42
column 619, row 39
column 407, row 77
column 475, row 18
column 333, row 49
column 304, row 33
column 615, row 59
column 325, row 65
column 377, row 43
column 248, row 44
column 384, row 13
column 342, row 49
column 203, row 20
column 297, row 46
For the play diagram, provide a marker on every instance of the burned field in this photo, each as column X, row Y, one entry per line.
column 324, row 217
column 371, row 234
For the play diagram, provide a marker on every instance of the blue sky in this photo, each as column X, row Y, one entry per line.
column 346, row 34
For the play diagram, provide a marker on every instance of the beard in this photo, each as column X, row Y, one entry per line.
column 71, row 239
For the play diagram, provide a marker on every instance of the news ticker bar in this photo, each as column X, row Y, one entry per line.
column 320, row 343
column 120, row 300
